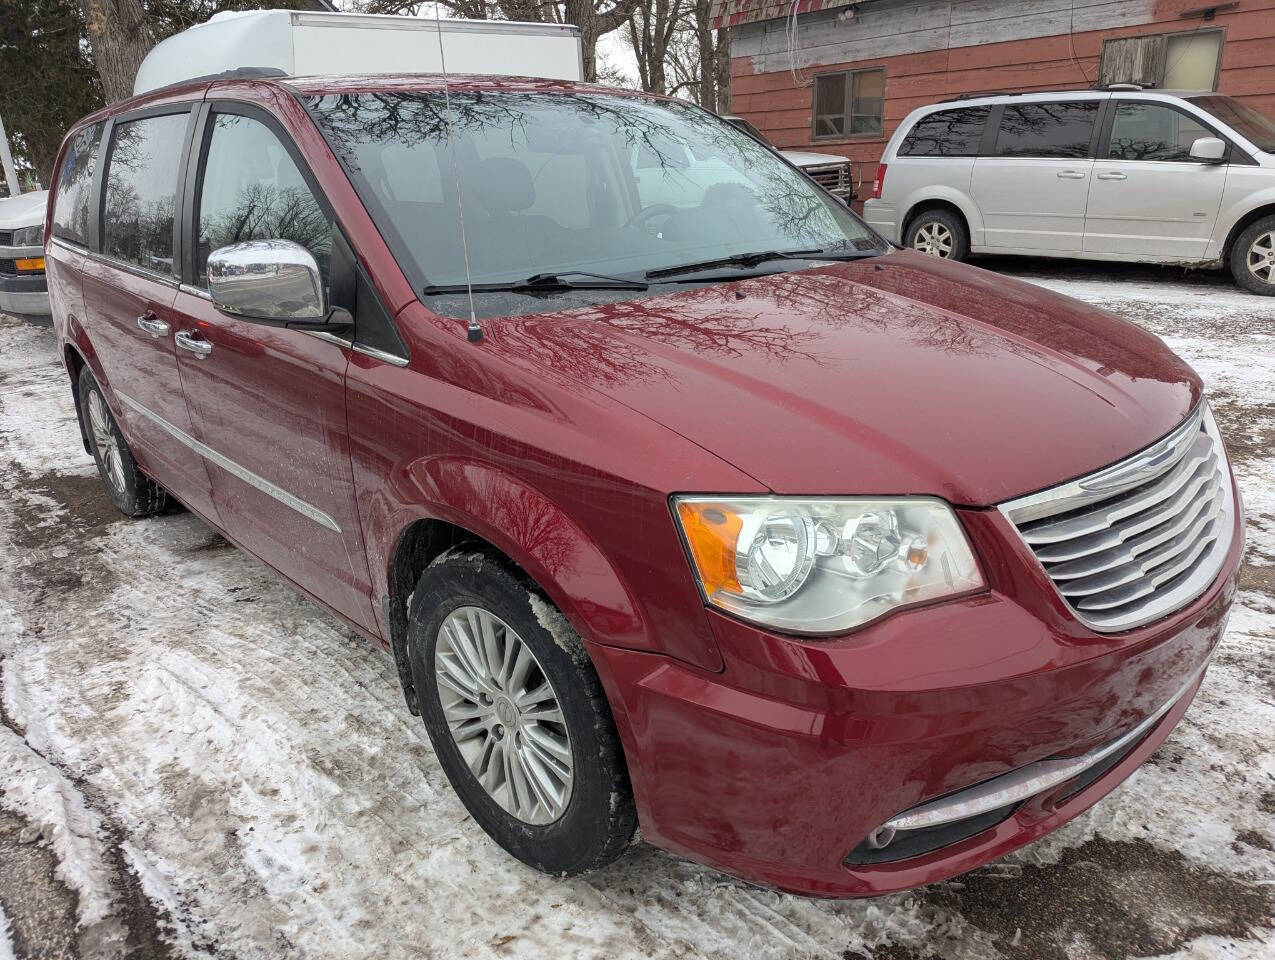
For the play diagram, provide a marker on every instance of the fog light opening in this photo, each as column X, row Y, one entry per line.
column 881, row 837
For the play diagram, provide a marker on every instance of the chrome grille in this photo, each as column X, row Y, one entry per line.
column 835, row 177
column 1134, row 542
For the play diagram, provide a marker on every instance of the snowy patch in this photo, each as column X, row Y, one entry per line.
column 6, row 941
column 556, row 625
column 35, row 790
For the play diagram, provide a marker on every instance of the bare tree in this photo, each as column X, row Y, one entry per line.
column 119, row 34
column 653, row 27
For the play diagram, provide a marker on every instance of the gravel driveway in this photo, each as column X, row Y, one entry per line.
column 195, row 761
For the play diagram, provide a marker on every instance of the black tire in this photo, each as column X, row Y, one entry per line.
column 599, row 817
column 133, row 493
column 1247, row 250
column 942, row 223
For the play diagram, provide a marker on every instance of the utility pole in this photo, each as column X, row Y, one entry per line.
column 6, row 161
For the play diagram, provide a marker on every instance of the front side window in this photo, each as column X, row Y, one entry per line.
column 1148, row 131
column 1047, row 129
column 75, row 186
column 1256, row 127
column 849, row 104
column 948, row 133
column 141, row 191
column 252, row 190
column 559, row 184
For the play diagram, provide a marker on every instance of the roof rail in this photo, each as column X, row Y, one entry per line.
column 1125, row 87
column 238, row 73
column 989, row 93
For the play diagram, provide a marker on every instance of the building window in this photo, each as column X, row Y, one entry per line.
column 1169, row 61
column 849, row 104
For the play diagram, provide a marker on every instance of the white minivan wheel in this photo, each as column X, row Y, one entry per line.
column 938, row 233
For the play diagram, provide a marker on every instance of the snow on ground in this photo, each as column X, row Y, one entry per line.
column 215, row 767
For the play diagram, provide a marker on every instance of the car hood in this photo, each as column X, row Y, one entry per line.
column 804, row 158
column 24, row 210
column 902, row 374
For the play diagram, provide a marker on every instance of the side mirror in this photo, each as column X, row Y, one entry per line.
column 275, row 281
column 1209, row 149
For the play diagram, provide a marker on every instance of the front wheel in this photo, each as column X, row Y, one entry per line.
column 517, row 715
column 938, row 233
column 1253, row 258
column 133, row 493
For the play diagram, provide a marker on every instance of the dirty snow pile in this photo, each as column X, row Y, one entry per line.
column 213, row 767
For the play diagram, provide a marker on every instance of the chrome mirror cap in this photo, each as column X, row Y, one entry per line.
column 267, row 280
column 1208, row 148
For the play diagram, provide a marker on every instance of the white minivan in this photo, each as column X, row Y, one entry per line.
column 1117, row 174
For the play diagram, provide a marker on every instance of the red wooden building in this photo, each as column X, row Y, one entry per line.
column 837, row 76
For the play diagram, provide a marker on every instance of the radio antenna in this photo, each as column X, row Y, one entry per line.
column 474, row 332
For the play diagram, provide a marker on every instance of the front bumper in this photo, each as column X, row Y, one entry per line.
column 22, row 292
column 781, row 768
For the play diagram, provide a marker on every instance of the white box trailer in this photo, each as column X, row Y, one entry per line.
column 305, row 44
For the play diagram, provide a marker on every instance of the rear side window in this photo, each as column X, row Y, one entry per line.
column 141, row 191
column 252, row 190
column 1047, row 129
column 948, row 133
column 1148, row 131
column 75, row 186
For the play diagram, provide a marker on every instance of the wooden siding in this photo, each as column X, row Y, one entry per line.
column 922, row 68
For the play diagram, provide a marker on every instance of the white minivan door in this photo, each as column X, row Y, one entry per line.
column 1149, row 199
column 1033, row 190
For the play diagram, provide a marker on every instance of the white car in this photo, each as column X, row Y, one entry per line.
column 830, row 171
column 23, row 288
column 1117, row 174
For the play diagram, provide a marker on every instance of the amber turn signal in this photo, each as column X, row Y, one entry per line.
column 29, row 264
column 712, row 532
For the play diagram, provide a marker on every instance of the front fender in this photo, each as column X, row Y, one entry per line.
column 1233, row 212
column 551, row 546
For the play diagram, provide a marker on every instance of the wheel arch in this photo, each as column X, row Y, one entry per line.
column 926, row 204
column 483, row 505
column 1246, row 220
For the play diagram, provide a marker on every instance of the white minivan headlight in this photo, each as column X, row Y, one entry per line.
column 28, row 236
column 827, row 565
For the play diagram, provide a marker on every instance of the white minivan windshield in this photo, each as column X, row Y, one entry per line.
column 587, row 191
column 1256, row 127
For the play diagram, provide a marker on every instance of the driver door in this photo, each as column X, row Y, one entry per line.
column 1148, row 196
column 268, row 402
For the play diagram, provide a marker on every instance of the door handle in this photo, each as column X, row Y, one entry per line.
column 196, row 345
column 153, row 325
column 1112, row 175
column 1070, row 175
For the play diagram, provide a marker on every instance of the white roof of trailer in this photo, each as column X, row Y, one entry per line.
column 301, row 42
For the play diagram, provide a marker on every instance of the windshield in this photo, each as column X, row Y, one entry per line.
column 1243, row 119
column 563, row 185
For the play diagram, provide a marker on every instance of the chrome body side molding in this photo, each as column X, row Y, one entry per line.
column 243, row 473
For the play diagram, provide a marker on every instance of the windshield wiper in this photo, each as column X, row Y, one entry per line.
column 544, row 283
column 751, row 260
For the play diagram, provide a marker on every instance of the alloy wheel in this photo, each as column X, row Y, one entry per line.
column 934, row 239
column 1261, row 257
column 504, row 715
column 104, row 439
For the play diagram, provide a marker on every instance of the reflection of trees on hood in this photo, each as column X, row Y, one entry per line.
column 611, row 344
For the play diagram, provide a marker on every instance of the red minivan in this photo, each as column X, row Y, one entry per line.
column 681, row 498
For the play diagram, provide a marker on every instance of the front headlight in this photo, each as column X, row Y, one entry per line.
column 28, row 236
column 827, row 565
